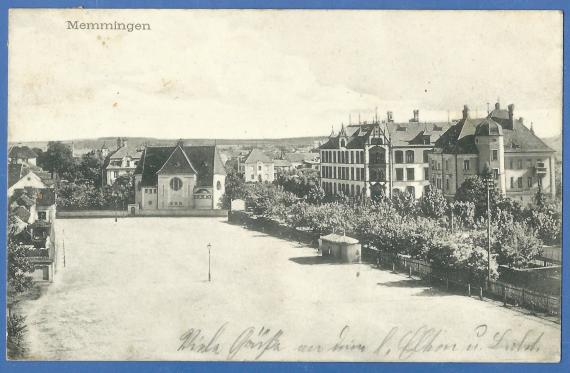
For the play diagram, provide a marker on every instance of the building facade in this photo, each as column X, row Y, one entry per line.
column 179, row 178
column 122, row 161
column 500, row 144
column 379, row 158
column 258, row 167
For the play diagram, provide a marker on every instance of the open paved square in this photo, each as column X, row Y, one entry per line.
column 138, row 289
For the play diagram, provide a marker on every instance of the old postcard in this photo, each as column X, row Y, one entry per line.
column 284, row 185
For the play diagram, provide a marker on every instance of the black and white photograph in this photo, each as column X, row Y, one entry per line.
column 284, row 185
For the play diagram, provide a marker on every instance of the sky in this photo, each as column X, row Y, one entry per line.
column 271, row 74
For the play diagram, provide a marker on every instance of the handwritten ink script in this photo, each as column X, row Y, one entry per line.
column 262, row 342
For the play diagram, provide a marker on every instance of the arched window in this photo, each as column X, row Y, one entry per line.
column 409, row 156
column 219, row 185
column 342, row 143
column 175, row 183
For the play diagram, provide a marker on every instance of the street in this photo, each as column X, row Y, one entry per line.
column 138, row 289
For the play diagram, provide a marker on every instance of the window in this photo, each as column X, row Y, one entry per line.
column 115, row 174
column 259, row 168
column 399, row 174
column 512, row 165
column 447, row 164
column 352, row 190
column 358, row 190
column 529, row 182
column 252, row 177
column 145, row 191
column 342, row 143
column 334, row 157
column 352, row 174
column 446, row 184
column 357, row 157
column 399, row 156
column 426, row 154
column 41, row 215
column 512, row 183
column 495, row 155
column 528, row 163
column 410, row 174
column 466, row 165
column 411, row 190
column 539, row 181
column 426, row 173
column 409, row 156
column 219, row 185
column 128, row 163
column 520, row 164
column 175, row 183
column 520, row 182
column 496, row 173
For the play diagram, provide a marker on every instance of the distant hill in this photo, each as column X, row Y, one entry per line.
column 81, row 146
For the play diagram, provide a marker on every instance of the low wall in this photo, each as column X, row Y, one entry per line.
column 79, row 214
column 273, row 227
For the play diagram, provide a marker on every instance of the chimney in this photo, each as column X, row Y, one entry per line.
column 511, row 108
column 124, row 142
column 465, row 111
column 497, row 106
column 119, row 143
column 389, row 117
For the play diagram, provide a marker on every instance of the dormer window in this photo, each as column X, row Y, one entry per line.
column 342, row 143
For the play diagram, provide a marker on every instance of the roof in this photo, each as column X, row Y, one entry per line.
column 281, row 163
column 460, row 138
column 488, row 127
column 22, row 213
column 177, row 163
column 337, row 238
column 205, row 160
column 15, row 173
column 45, row 197
column 22, row 152
column 257, row 155
column 300, row 157
column 126, row 151
column 404, row 134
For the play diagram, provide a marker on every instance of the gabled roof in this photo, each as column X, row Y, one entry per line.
column 398, row 134
column 21, row 152
column 177, row 163
column 204, row 159
column 257, row 155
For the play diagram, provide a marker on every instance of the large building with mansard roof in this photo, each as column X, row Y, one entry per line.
column 500, row 143
column 379, row 158
column 179, row 177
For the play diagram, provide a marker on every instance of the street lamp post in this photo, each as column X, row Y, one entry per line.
column 209, row 267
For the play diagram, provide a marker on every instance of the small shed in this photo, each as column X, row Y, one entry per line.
column 343, row 248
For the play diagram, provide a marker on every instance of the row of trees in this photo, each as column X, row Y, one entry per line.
column 451, row 235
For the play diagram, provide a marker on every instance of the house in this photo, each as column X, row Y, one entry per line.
column 29, row 180
column 22, row 154
column 379, row 158
column 281, row 166
column 258, row 167
column 300, row 159
column 179, row 177
column 122, row 161
column 46, row 204
column 520, row 162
